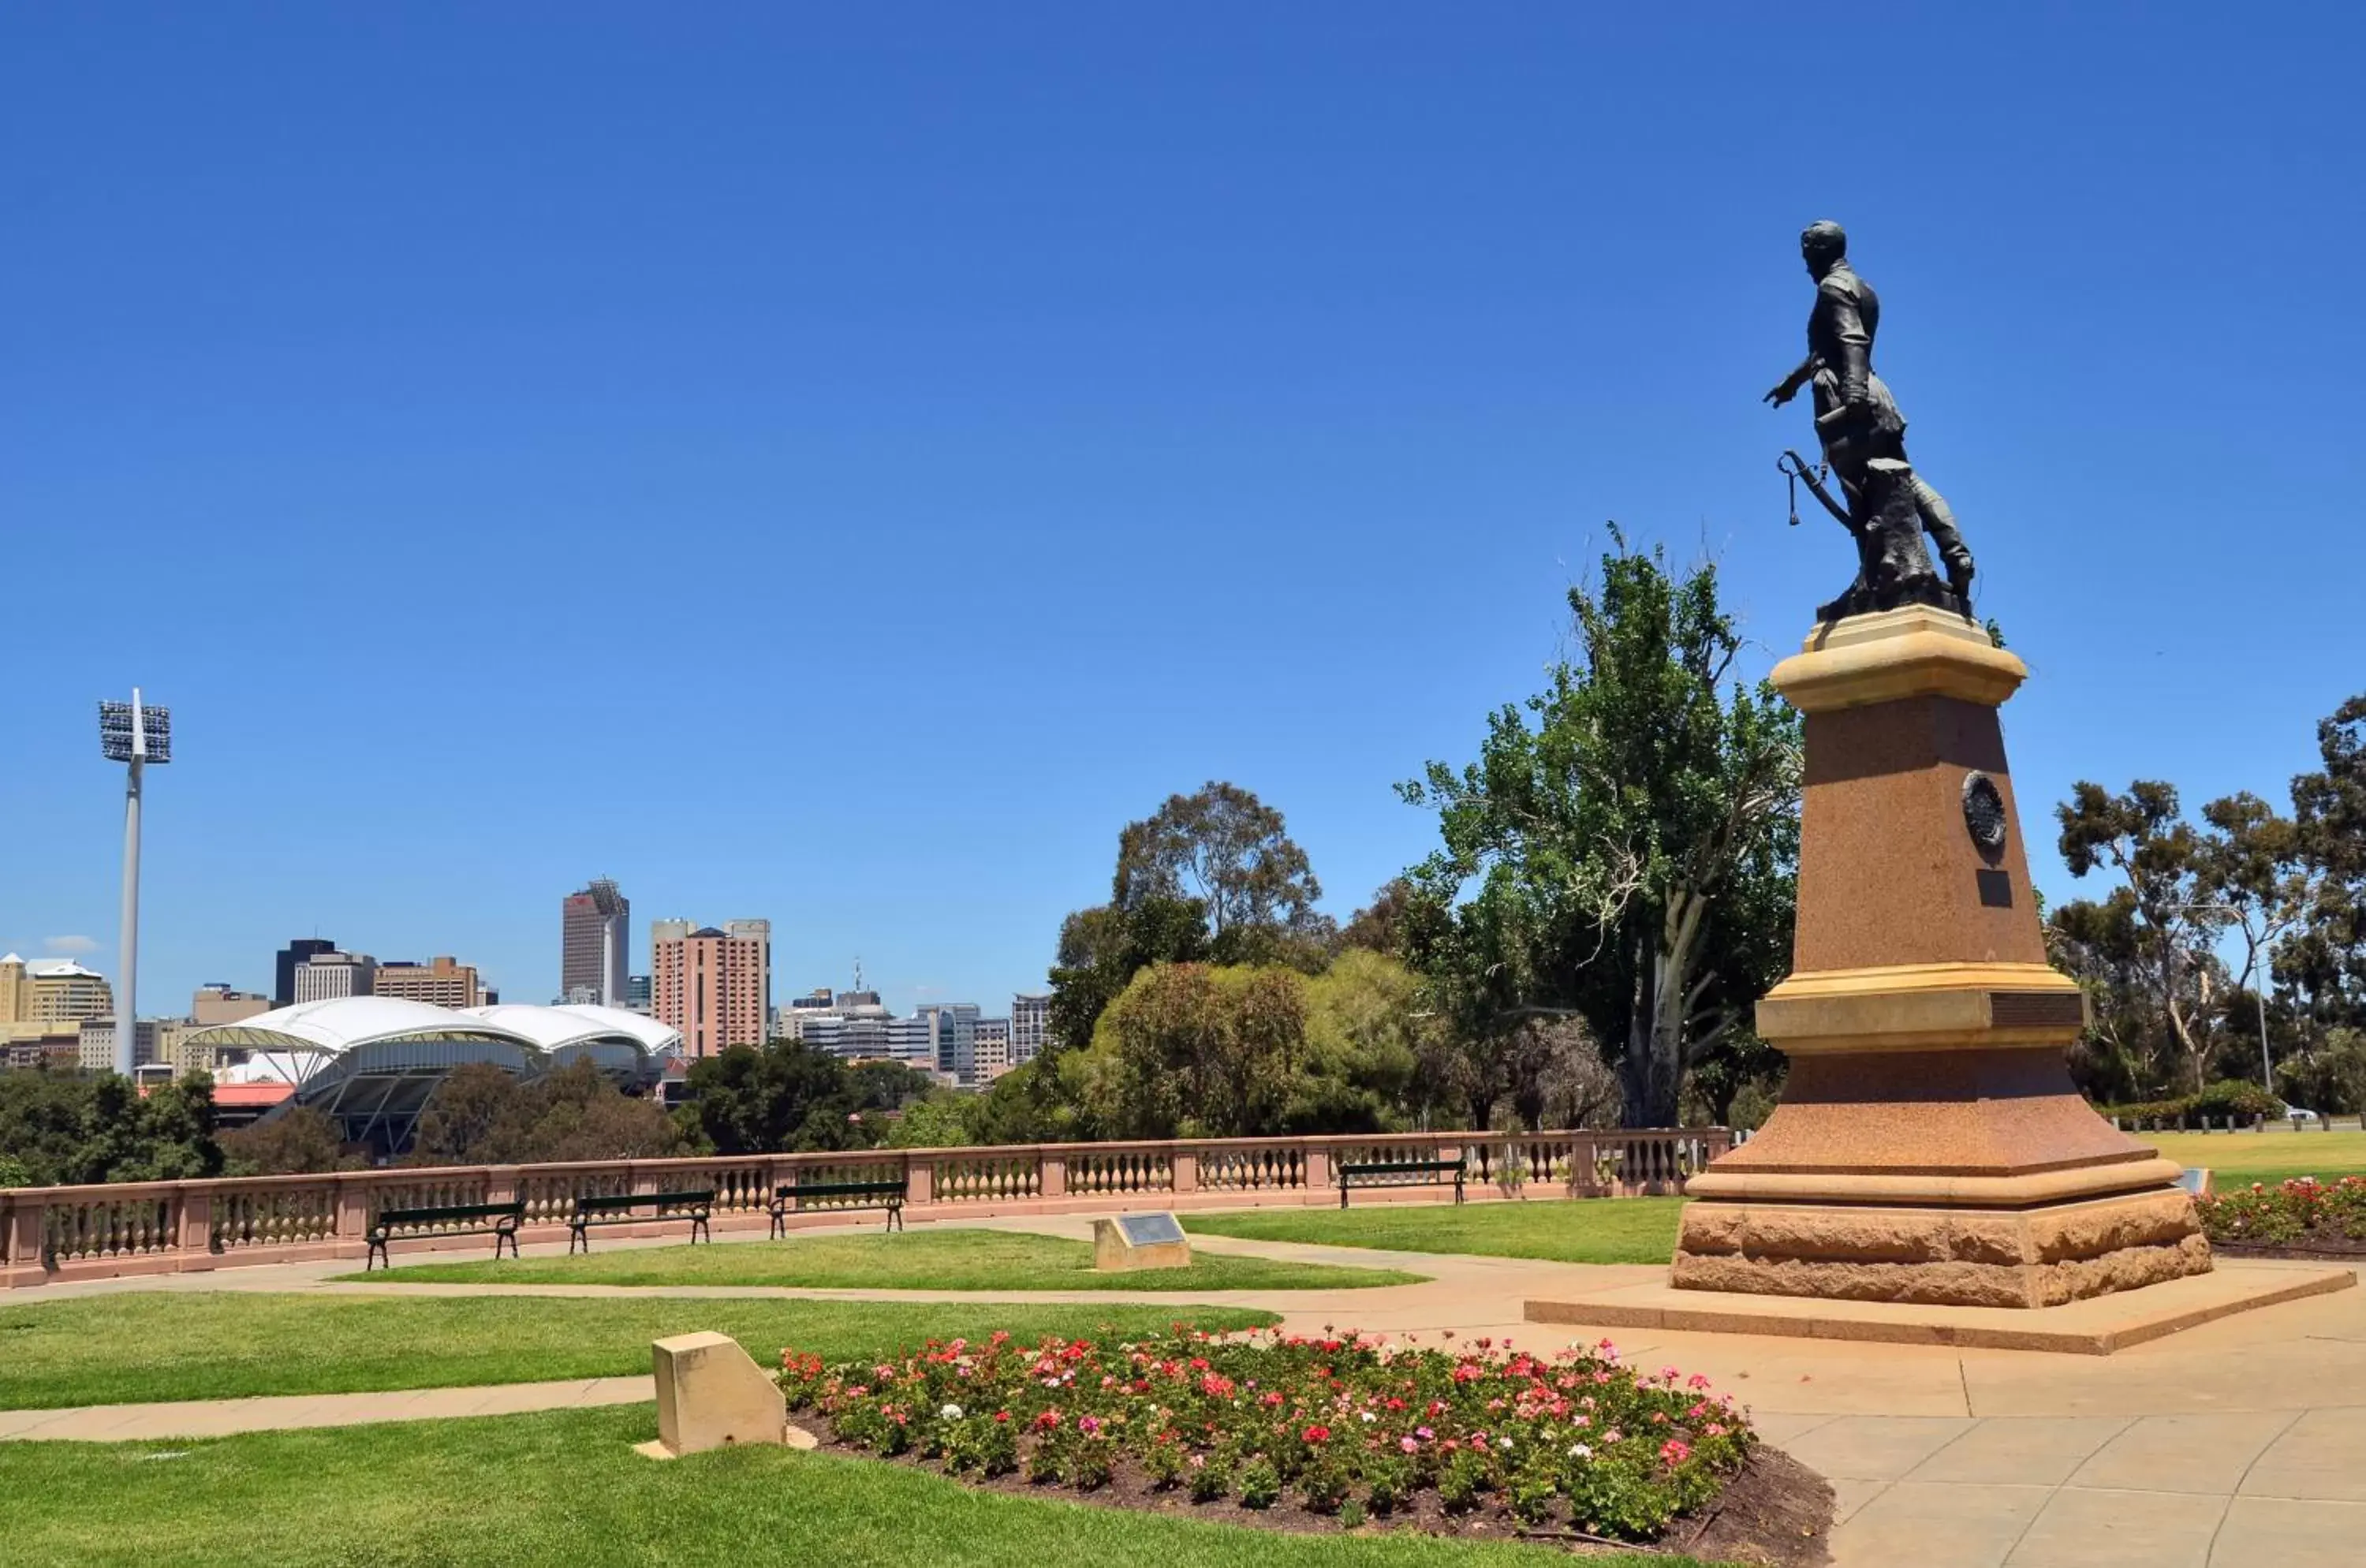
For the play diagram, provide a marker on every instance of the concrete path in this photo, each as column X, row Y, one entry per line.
column 223, row 1417
column 2236, row 1444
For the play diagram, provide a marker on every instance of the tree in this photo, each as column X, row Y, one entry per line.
column 2327, row 959
column 299, row 1141
column 1225, row 848
column 1104, row 947
column 71, row 1130
column 1632, row 837
column 482, row 1115
column 790, row 1097
column 2159, row 912
column 1377, row 927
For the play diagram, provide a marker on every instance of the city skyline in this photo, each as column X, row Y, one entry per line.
column 1254, row 436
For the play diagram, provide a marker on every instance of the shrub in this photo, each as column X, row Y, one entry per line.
column 2299, row 1210
column 2230, row 1096
column 1336, row 1420
column 1260, row 1485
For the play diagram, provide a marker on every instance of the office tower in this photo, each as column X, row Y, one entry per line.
column 715, row 985
column 1030, row 1022
column 282, row 984
column 953, row 1036
column 216, row 1002
column 58, row 990
column 333, row 974
column 594, row 931
column 989, row 1052
column 443, row 981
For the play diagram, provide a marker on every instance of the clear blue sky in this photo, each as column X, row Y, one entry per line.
column 841, row 463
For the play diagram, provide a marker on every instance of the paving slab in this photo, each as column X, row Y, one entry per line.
column 2204, row 1454
column 2021, row 1450
column 1913, row 1525
column 1875, row 1447
column 2079, row 1529
column 2100, row 1325
column 2321, row 1457
column 2260, row 1533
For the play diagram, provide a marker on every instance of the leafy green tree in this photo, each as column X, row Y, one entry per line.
column 1623, row 850
column 1377, row 927
column 70, row 1131
column 2159, row 912
column 482, row 1115
column 938, row 1123
column 1101, row 949
column 299, row 1141
column 2325, row 958
column 790, row 1097
column 1224, row 848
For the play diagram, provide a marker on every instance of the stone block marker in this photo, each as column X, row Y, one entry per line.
column 712, row 1394
column 1129, row 1242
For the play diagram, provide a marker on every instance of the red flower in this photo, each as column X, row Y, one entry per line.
column 1317, row 1434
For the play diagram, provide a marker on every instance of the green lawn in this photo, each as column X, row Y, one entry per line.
column 2238, row 1159
column 922, row 1260
column 1598, row 1230
column 142, row 1346
column 565, row 1489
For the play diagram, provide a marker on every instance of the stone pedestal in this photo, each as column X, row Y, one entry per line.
column 712, row 1394
column 1929, row 1146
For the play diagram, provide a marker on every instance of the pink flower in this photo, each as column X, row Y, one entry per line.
column 1409, row 1445
column 1674, row 1451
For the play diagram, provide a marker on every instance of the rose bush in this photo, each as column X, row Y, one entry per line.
column 2293, row 1214
column 1340, row 1424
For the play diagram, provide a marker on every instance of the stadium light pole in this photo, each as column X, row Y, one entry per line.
column 134, row 736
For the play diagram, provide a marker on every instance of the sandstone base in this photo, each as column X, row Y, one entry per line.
column 2031, row 1258
column 712, row 1394
column 1635, row 1298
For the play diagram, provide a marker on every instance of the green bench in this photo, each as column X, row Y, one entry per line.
column 616, row 1208
column 499, row 1221
column 1402, row 1173
column 887, row 1195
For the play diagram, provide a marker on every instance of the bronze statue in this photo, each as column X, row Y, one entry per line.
column 1888, row 505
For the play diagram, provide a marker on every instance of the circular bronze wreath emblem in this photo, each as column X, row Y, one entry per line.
column 1984, row 812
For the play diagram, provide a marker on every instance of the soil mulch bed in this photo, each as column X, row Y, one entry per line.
column 2325, row 1247
column 1775, row 1511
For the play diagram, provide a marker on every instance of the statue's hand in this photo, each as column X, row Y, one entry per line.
column 1782, row 394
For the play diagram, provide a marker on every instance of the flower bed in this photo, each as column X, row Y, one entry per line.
column 1340, row 1428
column 2301, row 1217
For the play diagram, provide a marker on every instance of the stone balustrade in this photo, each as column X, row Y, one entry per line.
column 159, row 1227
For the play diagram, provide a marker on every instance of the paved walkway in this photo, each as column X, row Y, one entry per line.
column 2240, row 1443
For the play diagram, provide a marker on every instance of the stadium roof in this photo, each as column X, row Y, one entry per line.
column 556, row 1028
column 340, row 1024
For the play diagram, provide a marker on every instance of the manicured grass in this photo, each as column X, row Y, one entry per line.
column 2238, row 1159
column 565, row 1489
column 143, row 1345
column 919, row 1260
column 1598, row 1230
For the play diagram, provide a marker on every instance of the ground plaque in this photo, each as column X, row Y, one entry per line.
column 1127, row 1241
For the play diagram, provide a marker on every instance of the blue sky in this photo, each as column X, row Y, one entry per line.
column 841, row 463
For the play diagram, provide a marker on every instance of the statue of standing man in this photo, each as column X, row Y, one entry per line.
column 1890, row 506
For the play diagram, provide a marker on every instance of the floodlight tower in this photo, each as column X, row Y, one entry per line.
column 134, row 736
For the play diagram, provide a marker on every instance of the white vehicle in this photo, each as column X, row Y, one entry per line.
column 2299, row 1117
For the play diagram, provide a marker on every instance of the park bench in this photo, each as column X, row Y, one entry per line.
column 499, row 1221
column 616, row 1208
column 1402, row 1173
column 887, row 1195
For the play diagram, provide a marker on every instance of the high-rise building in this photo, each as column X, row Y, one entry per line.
column 637, row 991
column 1030, row 1023
column 96, row 1053
column 58, row 990
column 333, row 974
column 443, row 981
column 215, row 1003
column 989, row 1052
column 283, row 982
column 953, row 1036
column 594, row 932
column 715, row 985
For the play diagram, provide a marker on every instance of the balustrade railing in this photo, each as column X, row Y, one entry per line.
column 172, row 1226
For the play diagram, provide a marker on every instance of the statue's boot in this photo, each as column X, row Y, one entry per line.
column 1939, row 521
